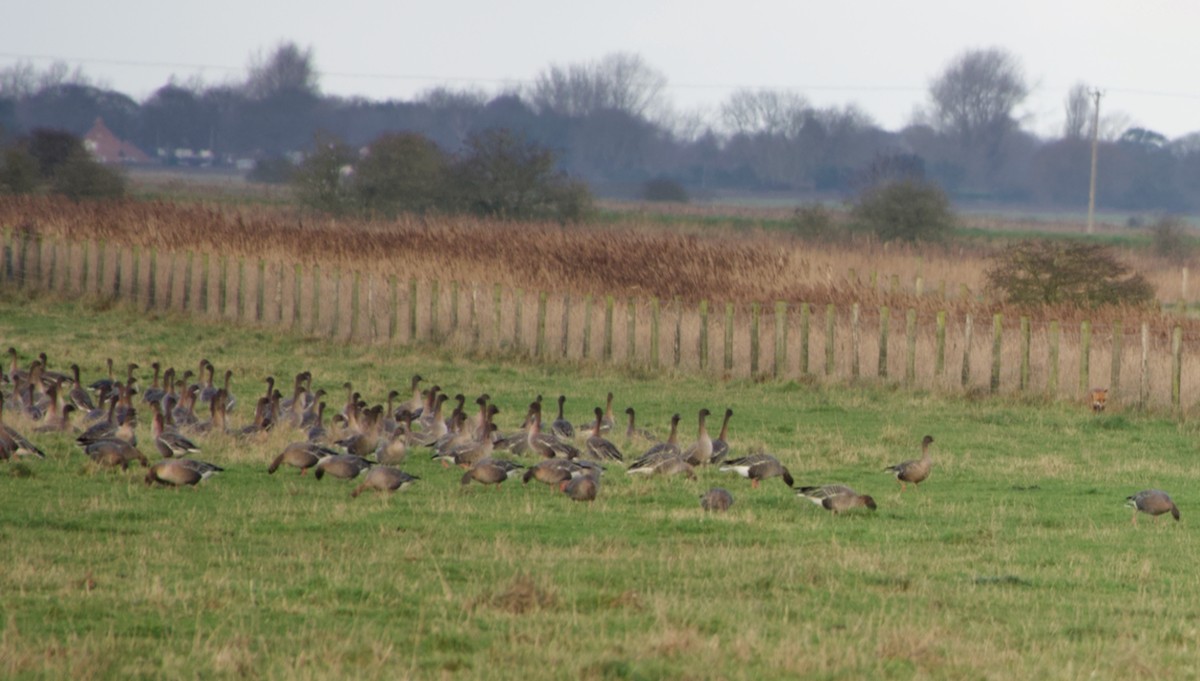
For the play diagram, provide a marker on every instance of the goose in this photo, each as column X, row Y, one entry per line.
column 78, row 395
column 169, row 442
column 344, row 466
column 716, row 499
column 491, row 471
column 395, row 449
column 113, row 452
column 101, row 384
column 1153, row 501
column 758, row 467
column 469, row 452
column 914, row 470
column 12, row 443
column 607, row 422
column 550, row 471
column 633, row 432
column 546, row 445
column 155, row 392
column 61, row 424
column 582, row 488
column 662, row 450
column 720, row 444
column 385, row 479
column 179, row 472
column 700, row 452
column 836, row 498
column 302, row 455
column 560, row 426
column 415, row 404
column 48, row 376
column 599, row 448
column 667, row 465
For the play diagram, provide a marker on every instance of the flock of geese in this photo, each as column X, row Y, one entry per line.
column 367, row 443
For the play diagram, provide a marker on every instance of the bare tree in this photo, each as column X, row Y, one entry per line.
column 974, row 99
column 770, row 112
column 620, row 81
column 1079, row 112
column 22, row 79
column 287, row 69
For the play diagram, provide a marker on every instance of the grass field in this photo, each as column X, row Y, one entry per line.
column 1016, row 560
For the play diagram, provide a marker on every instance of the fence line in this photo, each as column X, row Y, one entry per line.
column 855, row 343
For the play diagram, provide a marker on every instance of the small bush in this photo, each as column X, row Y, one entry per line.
column 664, row 189
column 1073, row 273
column 814, row 222
column 1168, row 239
column 18, row 172
column 272, row 171
column 80, row 177
column 906, row 210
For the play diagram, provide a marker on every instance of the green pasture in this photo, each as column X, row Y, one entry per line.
column 1016, row 560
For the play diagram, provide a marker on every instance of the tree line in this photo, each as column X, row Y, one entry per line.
column 608, row 124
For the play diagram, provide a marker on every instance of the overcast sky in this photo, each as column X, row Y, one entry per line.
column 880, row 55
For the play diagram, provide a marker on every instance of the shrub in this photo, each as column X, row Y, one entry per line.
column 18, row 172
column 907, row 210
column 814, row 221
column 1168, row 238
column 80, row 177
column 664, row 189
column 272, row 171
column 401, row 172
column 57, row 161
column 321, row 179
column 1073, row 273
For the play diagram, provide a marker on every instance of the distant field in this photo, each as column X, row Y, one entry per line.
column 1016, row 560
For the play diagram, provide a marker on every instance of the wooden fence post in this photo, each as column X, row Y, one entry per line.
column 1114, row 380
column 728, row 337
column 678, row 345
column 968, row 328
column 587, row 325
column 703, row 347
column 830, row 321
column 779, row 368
column 910, row 346
column 518, row 303
column 1055, row 334
column 1176, row 366
column 435, row 290
column 454, row 305
column 1085, row 351
column 754, row 347
column 1026, row 341
column 631, row 333
column 997, row 334
column 412, row 308
column 473, row 313
column 608, row 328
column 804, row 341
column 539, row 346
column 885, row 321
column 566, row 325
column 1144, row 383
column 939, row 362
column 654, row 353
column 497, row 314
column 854, row 342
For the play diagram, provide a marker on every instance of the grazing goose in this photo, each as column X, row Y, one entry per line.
column 179, row 472
column 599, row 448
column 1153, row 501
column 491, row 471
column 758, row 467
column 914, row 470
column 302, row 455
column 699, row 453
column 583, row 488
column 394, row 450
column 666, row 465
column 662, row 450
column 720, row 444
column 556, row 471
column 384, row 479
column 716, row 499
column 343, row 466
column 169, row 442
column 101, row 384
column 112, row 452
column 836, row 498
column 560, row 426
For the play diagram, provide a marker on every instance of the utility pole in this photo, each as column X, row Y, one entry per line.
column 1091, row 224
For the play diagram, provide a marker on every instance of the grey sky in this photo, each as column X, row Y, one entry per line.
column 878, row 55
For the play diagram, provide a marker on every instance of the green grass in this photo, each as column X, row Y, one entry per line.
column 1015, row 560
